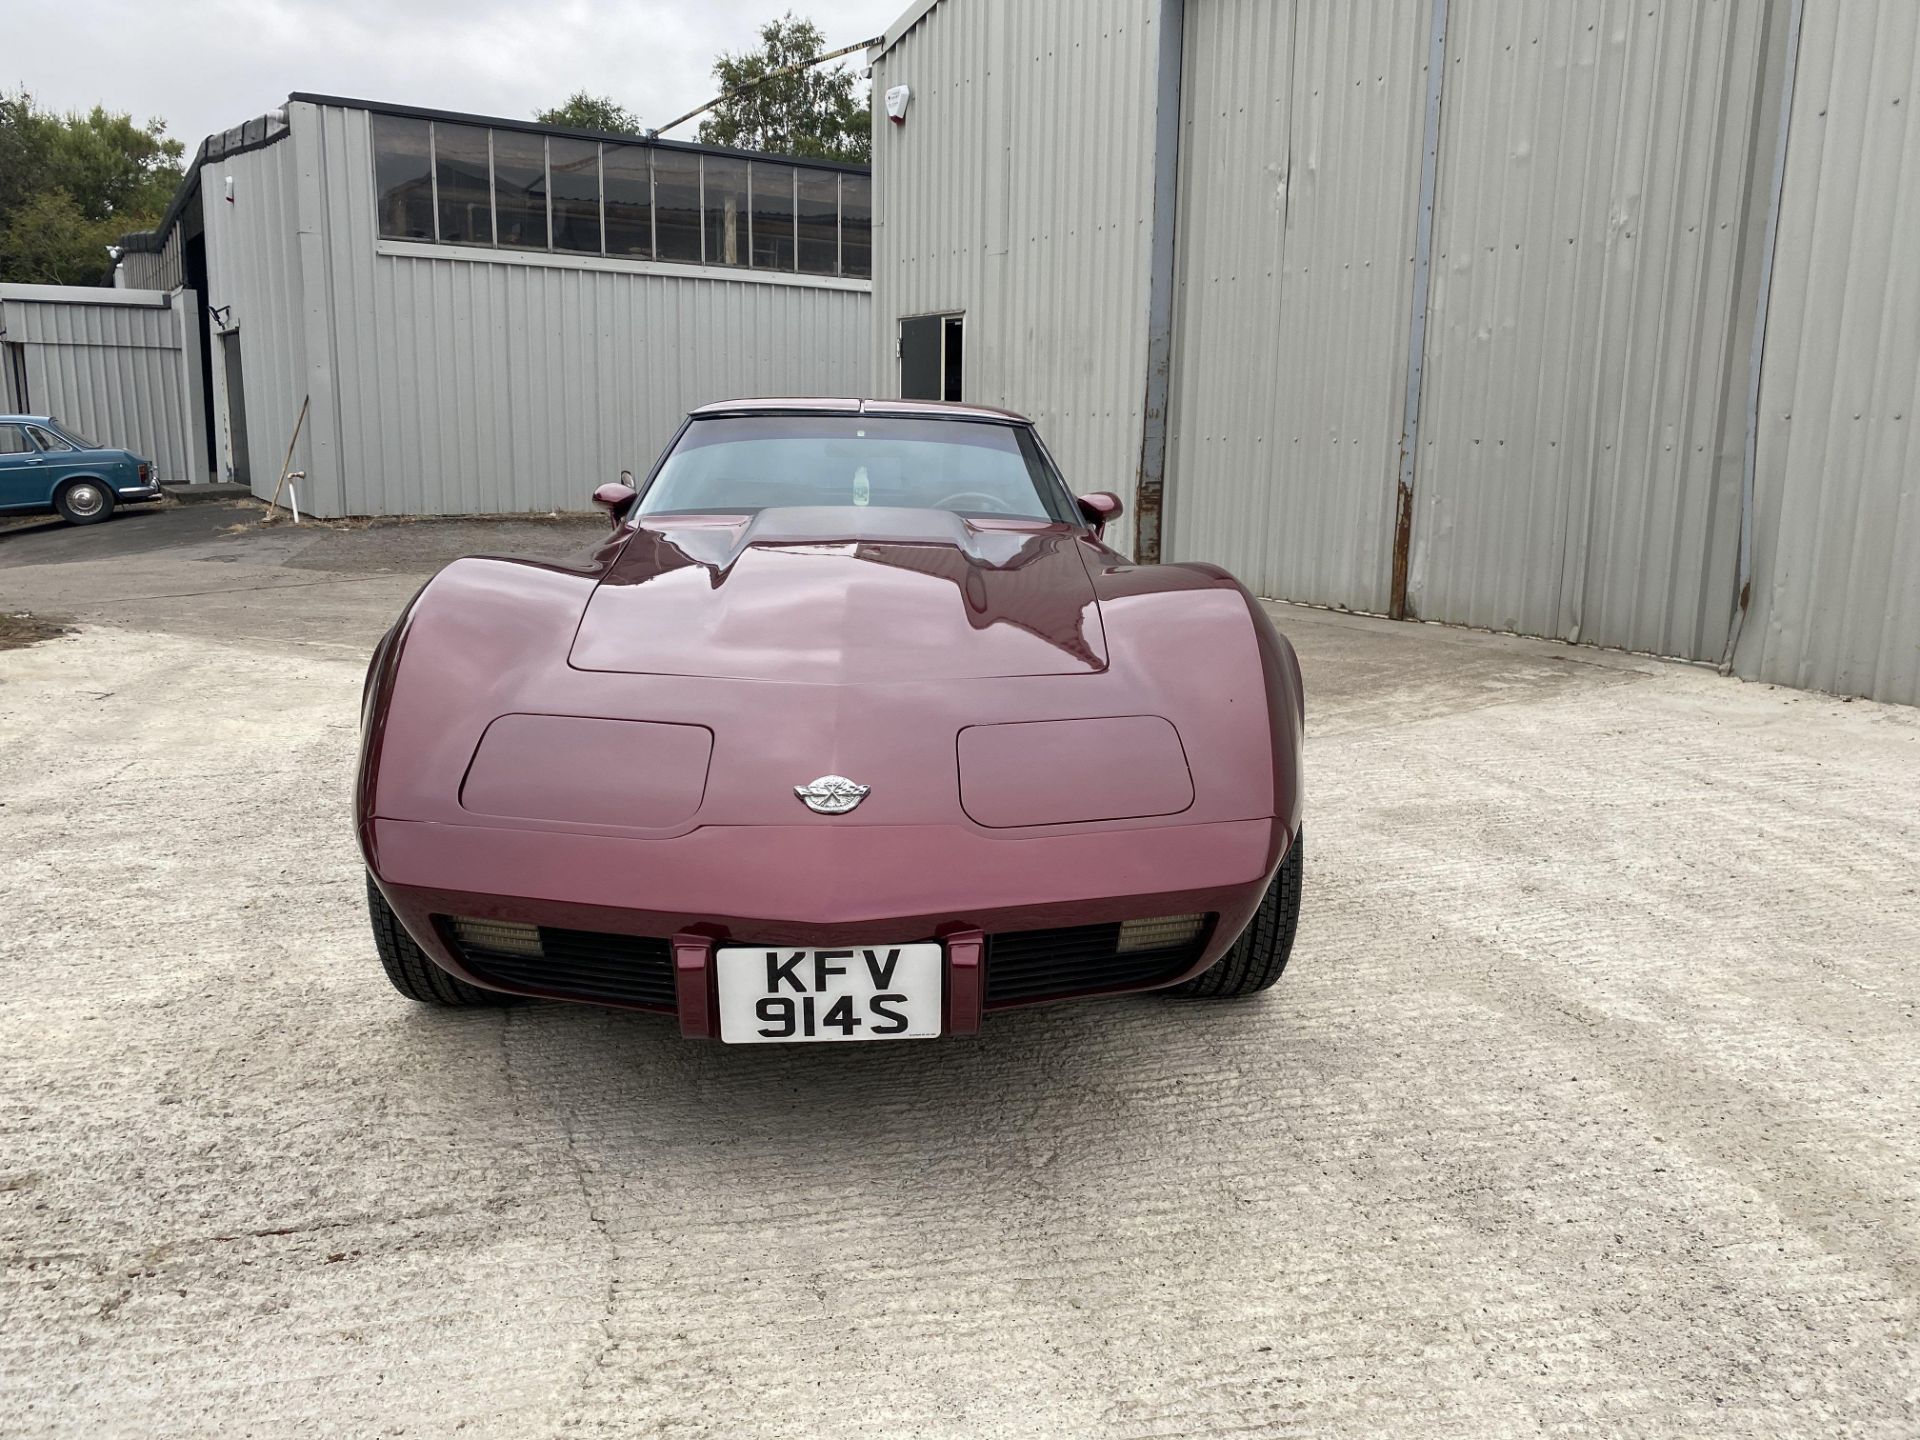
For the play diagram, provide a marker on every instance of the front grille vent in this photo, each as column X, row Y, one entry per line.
column 1039, row 964
column 577, row 964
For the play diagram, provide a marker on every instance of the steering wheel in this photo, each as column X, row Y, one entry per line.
column 952, row 502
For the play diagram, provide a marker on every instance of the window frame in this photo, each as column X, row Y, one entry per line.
column 433, row 170
column 40, row 435
column 792, row 172
column 653, row 226
column 392, row 145
column 600, row 196
column 750, row 162
column 1056, row 495
column 835, row 175
column 868, row 177
column 546, row 193
column 743, row 220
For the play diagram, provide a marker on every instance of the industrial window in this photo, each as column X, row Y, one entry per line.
column 773, row 236
column 856, row 226
column 520, row 189
column 462, row 184
column 627, row 173
column 460, row 179
column 932, row 357
column 403, row 177
column 819, row 205
column 723, row 202
column 676, row 201
column 576, row 194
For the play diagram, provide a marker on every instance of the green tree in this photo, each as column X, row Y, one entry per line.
column 48, row 241
column 71, row 185
column 26, row 151
column 820, row 113
column 582, row 111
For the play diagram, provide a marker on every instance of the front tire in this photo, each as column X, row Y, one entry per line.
column 84, row 502
column 1260, row 954
column 412, row 973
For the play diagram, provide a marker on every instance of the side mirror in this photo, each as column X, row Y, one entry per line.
column 1101, row 509
column 616, row 498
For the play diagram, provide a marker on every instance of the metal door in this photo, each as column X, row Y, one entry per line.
column 236, row 407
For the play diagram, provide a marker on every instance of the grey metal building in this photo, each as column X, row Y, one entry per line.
column 1576, row 318
column 111, row 363
column 484, row 315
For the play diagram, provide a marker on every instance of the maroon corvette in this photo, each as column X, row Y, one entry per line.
column 852, row 729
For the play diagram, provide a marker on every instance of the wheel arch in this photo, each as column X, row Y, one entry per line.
column 67, row 482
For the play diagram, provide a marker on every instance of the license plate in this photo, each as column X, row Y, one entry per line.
column 773, row 995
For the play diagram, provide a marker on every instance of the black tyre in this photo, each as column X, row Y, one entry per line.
column 1260, row 954
column 412, row 973
column 84, row 502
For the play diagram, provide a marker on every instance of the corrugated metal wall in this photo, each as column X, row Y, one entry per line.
column 1582, row 413
column 476, row 387
column 110, row 363
column 1836, row 578
column 1019, row 191
column 1299, row 174
column 1605, row 170
column 153, row 269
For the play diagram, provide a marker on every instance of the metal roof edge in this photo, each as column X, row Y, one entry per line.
column 258, row 133
column 909, row 18
column 84, row 295
column 213, row 147
column 536, row 127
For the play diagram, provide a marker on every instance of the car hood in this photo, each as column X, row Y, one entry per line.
column 844, row 595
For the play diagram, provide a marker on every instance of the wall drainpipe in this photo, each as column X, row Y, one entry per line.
column 1417, row 324
column 1743, row 589
column 1149, row 493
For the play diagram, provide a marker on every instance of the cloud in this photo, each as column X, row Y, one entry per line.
column 206, row 65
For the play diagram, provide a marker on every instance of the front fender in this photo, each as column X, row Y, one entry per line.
column 462, row 647
column 1123, row 587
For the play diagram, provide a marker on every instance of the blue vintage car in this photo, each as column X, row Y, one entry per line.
column 45, row 466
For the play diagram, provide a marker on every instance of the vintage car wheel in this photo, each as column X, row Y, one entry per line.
column 84, row 502
column 407, row 965
column 1261, row 952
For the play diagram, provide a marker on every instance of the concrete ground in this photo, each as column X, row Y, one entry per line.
column 1590, row 1104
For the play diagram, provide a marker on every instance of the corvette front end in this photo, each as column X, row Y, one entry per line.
column 870, row 770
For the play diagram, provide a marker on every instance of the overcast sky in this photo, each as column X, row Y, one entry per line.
column 205, row 65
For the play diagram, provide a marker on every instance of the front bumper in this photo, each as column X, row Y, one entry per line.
column 798, row 885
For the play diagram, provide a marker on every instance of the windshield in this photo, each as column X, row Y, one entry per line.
column 741, row 464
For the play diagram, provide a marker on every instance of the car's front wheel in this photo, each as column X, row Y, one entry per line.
column 1261, row 952
column 84, row 502
column 407, row 965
